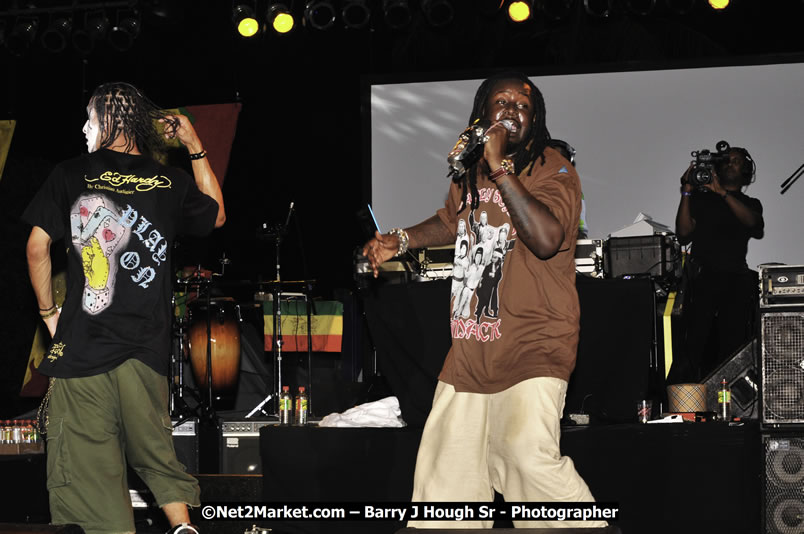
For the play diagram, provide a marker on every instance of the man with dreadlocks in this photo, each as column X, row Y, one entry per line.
column 494, row 422
column 108, row 393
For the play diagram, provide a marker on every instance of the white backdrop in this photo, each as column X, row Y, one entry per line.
column 633, row 132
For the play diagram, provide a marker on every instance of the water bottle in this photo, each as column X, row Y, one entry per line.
column 724, row 401
column 301, row 407
column 285, row 406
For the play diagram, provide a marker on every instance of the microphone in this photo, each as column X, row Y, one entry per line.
column 287, row 220
column 469, row 148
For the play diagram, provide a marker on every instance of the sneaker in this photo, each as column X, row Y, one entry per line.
column 184, row 528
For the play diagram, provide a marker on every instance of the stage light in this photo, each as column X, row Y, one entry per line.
column 355, row 14
column 125, row 32
column 719, row 4
column 397, row 13
column 96, row 24
column 598, row 8
column 22, row 35
column 280, row 18
column 320, row 14
column 641, row 7
column 245, row 21
column 680, row 7
column 519, row 11
column 438, row 12
column 556, row 9
column 57, row 34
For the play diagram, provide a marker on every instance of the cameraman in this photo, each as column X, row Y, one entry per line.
column 719, row 219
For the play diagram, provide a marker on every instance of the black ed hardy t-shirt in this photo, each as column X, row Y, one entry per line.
column 118, row 214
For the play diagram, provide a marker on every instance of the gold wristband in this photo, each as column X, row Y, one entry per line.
column 53, row 311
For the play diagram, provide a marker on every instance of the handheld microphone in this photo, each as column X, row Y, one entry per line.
column 290, row 212
column 469, row 148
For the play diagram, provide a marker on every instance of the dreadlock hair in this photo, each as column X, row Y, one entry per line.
column 123, row 110
column 531, row 148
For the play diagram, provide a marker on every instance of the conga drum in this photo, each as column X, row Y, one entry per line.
column 224, row 337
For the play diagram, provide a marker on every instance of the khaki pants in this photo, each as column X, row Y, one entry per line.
column 95, row 425
column 475, row 443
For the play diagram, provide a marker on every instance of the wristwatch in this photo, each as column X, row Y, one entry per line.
column 506, row 167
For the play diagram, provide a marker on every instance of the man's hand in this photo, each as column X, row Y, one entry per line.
column 715, row 185
column 51, row 323
column 379, row 249
column 494, row 149
column 184, row 132
column 685, row 180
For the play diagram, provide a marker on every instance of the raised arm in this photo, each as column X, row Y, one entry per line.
column 205, row 178
column 535, row 224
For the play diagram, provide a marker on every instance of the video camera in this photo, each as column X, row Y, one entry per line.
column 704, row 164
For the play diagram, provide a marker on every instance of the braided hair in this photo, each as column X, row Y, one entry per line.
column 123, row 110
column 531, row 148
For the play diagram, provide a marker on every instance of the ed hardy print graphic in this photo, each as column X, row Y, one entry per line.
column 109, row 237
column 480, row 251
column 97, row 236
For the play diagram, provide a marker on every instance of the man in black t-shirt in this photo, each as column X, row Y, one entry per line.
column 118, row 211
column 719, row 219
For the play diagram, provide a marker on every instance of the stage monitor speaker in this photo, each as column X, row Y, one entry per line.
column 783, row 485
column 783, row 367
column 741, row 376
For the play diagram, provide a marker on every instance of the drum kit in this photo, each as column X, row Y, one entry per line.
column 207, row 325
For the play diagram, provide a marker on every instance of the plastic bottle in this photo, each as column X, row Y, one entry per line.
column 16, row 432
column 301, row 407
column 724, row 401
column 285, row 406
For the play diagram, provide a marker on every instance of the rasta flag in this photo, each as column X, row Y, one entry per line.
column 215, row 125
column 327, row 327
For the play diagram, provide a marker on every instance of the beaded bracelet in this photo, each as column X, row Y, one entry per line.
column 404, row 239
column 199, row 155
column 686, row 194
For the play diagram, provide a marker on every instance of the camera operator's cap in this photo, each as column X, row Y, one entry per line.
column 686, row 397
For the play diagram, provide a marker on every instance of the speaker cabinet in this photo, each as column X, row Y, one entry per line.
column 185, row 441
column 240, row 447
column 783, row 367
column 783, row 484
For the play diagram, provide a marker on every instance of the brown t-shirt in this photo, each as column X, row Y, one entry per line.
column 514, row 316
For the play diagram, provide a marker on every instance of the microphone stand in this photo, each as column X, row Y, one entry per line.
column 277, row 233
column 787, row 184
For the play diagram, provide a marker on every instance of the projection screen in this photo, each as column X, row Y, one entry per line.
column 633, row 132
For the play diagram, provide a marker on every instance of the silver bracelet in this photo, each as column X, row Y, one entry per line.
column 403, row 240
